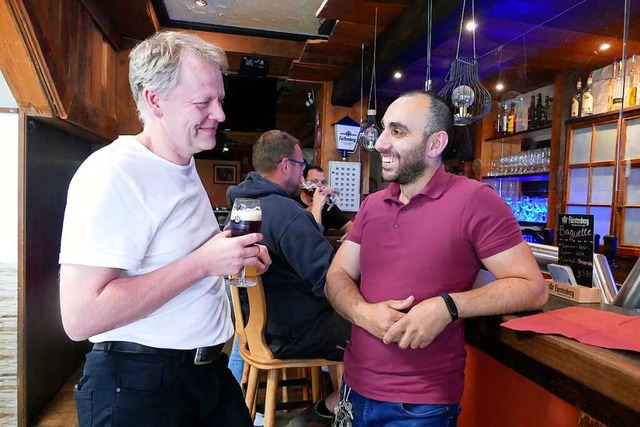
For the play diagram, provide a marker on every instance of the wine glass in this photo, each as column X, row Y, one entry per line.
column 246, row 217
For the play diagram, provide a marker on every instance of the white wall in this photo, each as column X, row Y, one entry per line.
column 8, row 177
column 9, row 187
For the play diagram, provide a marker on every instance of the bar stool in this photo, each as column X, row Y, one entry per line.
column 258, row 356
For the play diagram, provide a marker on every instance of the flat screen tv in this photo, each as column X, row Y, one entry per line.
column 249, row 103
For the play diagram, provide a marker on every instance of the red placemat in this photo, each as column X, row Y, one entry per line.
column 587, row 325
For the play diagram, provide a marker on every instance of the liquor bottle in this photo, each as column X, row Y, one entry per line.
column 577, row 98
column 511, row 119
column 539, row 112
column 631, row 83
column 616, row 85
column 530, row 114
column 505, row 118
column 587, row 97
column 498, row 127
column 547, row 111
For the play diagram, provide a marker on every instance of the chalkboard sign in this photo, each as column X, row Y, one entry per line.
column 575, row 246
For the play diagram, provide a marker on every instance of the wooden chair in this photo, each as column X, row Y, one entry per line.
column 257, row 354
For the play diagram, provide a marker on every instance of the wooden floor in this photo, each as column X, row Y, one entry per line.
column 61, row 412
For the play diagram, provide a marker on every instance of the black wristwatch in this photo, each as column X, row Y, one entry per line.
column 451, row 306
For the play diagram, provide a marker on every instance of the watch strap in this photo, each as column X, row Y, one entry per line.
column 451, row 306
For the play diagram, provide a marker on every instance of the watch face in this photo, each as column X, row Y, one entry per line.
column 476, row 166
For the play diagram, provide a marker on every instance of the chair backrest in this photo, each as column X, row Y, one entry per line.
column 251, row 332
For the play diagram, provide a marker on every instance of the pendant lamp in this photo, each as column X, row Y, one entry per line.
column 469, row 99
column 368, row 135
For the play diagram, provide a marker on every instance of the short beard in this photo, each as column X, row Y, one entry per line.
column 412, row 166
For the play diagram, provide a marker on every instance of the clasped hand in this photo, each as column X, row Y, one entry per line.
column 416, row 329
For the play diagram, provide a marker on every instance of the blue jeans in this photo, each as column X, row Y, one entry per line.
column 374, row 413
column 236, row 362
column 140, row 390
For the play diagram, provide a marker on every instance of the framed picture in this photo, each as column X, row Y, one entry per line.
column 226, row 172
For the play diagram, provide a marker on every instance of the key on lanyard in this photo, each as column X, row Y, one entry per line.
column 344, row 411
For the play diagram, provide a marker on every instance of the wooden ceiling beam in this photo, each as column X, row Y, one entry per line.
column 249, row 45
column 314, row 72
column 332, row 50
column 361, row 12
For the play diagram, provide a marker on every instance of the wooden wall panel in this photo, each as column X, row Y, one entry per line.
column 128, row 122
column 78, row 63
column 326, row 146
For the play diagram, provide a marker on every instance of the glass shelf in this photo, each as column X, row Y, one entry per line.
column 522, row 177
column 534, row 135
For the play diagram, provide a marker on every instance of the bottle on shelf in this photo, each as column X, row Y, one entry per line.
column 498, row 127
column 547, row 111
column 587, row 97
column 511, row 119
column 531, row 113
column 539, row 116
column 631, row 82
column 505, row 118
column 577, row 99
column 616, row 85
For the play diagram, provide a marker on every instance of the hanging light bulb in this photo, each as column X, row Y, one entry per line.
column 462, row 98
column 369, row 133
column 463, row 90
column 368, row 136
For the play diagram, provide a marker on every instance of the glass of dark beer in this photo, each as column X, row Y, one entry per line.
column 246, row 217
column 310, row 187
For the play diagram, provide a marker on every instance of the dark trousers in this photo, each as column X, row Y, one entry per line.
column 123, row 389
column 326, row 337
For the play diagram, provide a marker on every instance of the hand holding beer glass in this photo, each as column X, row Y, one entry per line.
column 246, row 217
column 310, row 187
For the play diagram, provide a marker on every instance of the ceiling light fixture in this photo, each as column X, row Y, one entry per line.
column 471, row 26
column 500, row 87
column 397, row 75
column 201, row 3
column 225, row 148
column 470, row 99
column 368, row 136
column 604, row 46
column 311, row 99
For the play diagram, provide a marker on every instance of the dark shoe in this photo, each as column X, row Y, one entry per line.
column 310, row 417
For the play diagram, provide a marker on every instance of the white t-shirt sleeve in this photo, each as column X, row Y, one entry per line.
column 106, row 223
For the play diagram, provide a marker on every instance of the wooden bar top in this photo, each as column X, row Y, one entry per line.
column 601, row 382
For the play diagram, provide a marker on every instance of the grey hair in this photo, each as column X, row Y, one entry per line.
column 155, row 63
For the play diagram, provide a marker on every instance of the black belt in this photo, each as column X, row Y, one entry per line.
column 199, row 356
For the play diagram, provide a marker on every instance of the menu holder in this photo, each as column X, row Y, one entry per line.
column 575, row 246
column 575, row 293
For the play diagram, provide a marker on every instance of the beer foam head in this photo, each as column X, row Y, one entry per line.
column 248, row 215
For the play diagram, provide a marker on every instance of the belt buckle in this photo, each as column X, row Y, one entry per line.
column 204, row 356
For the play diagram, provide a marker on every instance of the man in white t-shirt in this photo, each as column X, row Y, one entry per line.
column 142, row 256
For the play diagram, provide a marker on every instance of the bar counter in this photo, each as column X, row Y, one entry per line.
column 602, row 383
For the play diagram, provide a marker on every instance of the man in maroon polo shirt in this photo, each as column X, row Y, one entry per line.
column 404, row 275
